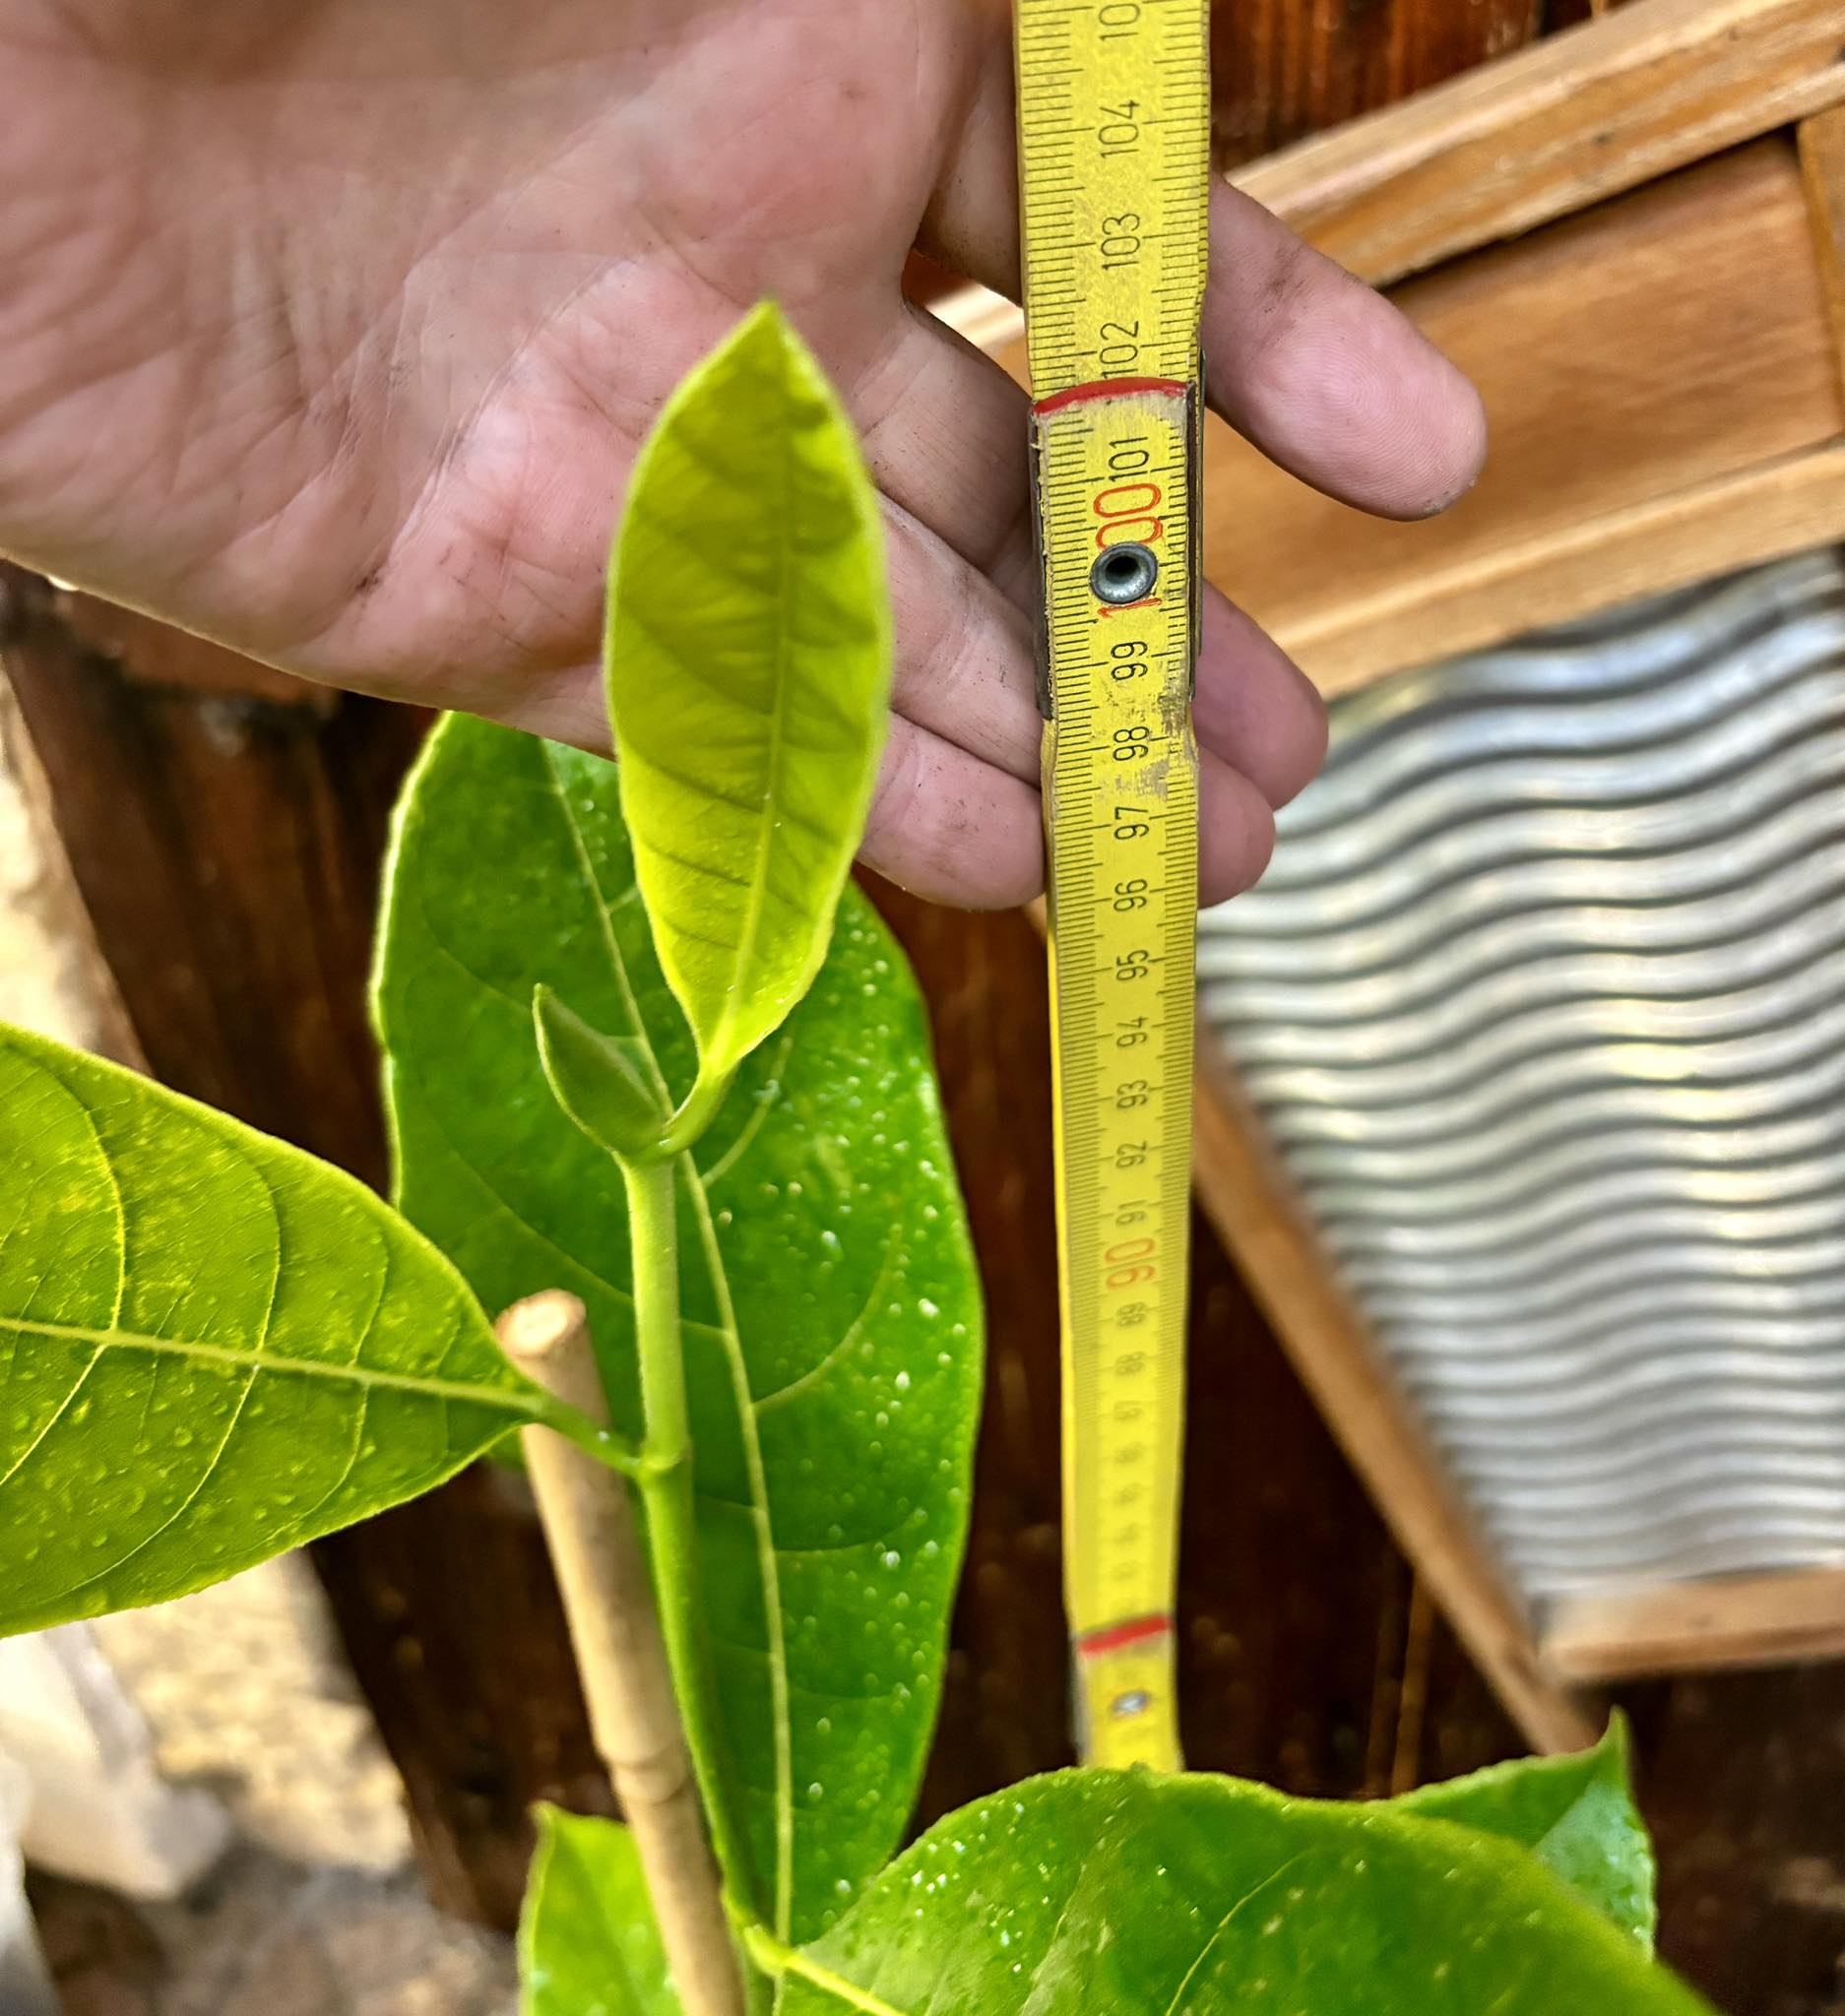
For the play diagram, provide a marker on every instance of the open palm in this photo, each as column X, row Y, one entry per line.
column 330, row 329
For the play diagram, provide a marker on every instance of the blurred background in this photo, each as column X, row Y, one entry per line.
column 1518, row 1334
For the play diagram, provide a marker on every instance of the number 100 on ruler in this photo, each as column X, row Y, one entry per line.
column 1114, row 133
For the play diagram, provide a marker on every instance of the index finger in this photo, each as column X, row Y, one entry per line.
column 1327, row 377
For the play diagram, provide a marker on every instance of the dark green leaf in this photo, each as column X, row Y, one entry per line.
column 1116, row 1894
column 1575, row 1813
column 832, row 1328
column 588, row 1943
column 596, row 1081
column 749, row 674
column 212, row 1346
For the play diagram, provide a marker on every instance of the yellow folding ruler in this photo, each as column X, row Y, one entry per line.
column 1114, row 134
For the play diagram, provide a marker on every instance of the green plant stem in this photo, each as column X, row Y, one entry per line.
column 617, row 1451
column 654, row 1235
column 665, row 1486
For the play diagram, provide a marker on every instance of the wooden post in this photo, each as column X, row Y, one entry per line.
column 609, row 1600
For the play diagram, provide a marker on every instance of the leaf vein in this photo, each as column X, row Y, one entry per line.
column 185, row 1504
column 777, row 714
column 63, row 1408
column 1273, row 1877
column 896, row 1256
column 498, row 1202
column 243, row 1359
column 605, row 912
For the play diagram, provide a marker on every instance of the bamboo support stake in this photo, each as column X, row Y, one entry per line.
column 608, row 1602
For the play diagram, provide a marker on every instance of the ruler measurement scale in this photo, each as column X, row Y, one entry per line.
column 1114, row 98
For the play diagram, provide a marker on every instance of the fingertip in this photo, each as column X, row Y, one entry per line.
column 1254, row 707
column 1329, row 378
column 563, row 706
column 1358, row 402
column 1458, row 439
column 952, row 829
column 1235, row 831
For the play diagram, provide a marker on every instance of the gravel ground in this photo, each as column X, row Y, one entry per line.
column 267, row 1937
column 318, row 1911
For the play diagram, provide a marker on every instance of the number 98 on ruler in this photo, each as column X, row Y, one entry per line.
column 1114, row 132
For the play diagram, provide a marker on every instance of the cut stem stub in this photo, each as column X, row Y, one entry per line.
column 608, row 1603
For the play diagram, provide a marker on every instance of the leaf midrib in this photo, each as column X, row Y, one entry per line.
column 757, row 893
column 244, row 1359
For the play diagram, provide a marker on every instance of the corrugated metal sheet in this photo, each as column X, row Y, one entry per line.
column 1543, row 1002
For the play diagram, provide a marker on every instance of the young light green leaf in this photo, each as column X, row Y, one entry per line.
column 1117, row 1893
column 749, row 662
column 588, row 1942
column 1574, row 1813
column 832, row 1317
column 594, row 1080
column 212, row 1345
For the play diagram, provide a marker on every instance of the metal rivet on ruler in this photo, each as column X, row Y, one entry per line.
column 1124, row 574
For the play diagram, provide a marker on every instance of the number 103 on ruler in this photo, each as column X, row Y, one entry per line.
column 1115, row 126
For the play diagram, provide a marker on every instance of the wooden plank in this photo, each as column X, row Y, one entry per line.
column 151, row 653
column 1562, row 14
column 468, row 1670
column 1618, row 464
column 1248, row 1197
column 1751, row 1620
column 1822, row 169
column 1760, row 514
column 1284, row 68
column 1573, row 119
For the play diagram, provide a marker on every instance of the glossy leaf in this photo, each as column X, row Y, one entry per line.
column 595, row 1082
column 588, row 1941
column 1114, row 1894
column 1575, row 1813
column 831, row 1331
column 212, row 1345
column 749, row 674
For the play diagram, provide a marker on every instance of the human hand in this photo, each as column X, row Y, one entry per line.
column 331, row 330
